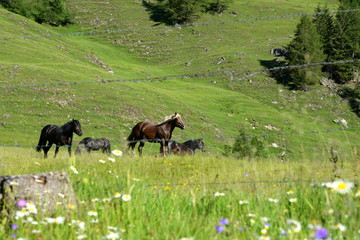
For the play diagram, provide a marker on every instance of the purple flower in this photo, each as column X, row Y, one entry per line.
column 246, row 175
column 14, row 235
column 224, row 221
column 14, row 226
column 321, row 233
column 219, row 229
column 241, row 229
column 21, row 203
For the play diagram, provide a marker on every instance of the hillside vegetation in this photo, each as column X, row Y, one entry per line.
column 207, row 62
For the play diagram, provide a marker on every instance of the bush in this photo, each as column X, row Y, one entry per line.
column 217, row 6
column 52, row 12
column 246, row 147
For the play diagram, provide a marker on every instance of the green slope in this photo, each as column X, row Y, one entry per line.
column 211, row 110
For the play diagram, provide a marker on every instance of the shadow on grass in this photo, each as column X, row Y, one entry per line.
column 157, row 13
column 281, row 75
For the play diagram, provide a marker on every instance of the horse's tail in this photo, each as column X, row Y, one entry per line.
column 42, row 140
column 131, row 137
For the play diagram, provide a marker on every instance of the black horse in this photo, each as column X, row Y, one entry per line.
column 52, row 134
column 94, row 144
column 187, row 147
column 157, row 133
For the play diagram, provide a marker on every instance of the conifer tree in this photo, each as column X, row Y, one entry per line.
column 305, row 48
column 346, row 43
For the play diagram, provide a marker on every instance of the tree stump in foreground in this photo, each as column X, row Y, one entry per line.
column 45, row 190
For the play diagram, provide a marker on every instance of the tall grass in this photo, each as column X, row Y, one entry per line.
column 178, row 197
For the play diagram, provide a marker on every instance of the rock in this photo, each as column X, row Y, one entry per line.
column 45, row 190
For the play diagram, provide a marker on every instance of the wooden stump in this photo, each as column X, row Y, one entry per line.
column 45, row 190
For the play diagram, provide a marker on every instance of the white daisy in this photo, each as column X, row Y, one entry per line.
column 126, row 197
column 117, row 153
column 342, row 186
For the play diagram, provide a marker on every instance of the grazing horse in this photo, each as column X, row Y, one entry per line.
column 94, row 144
column 159, row 133
column 187, row 147
column 52, row 134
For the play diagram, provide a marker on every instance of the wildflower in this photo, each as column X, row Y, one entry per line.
column 71, row 206
column 111, row 159
column 290, row 192
column 273, row 200
column 36, row 231
column 340, row 227
column 224, row 221
column 246, row 175
column 106, row 199
column 92, row 213
column 293, row 200
column 341, row 186
column 296, row 226
column 243, row 202
column 94, row 220
column 263, row 237
column 102, row 161
column 50, row 220
column 264, row 219
column 95, row 200
column 81, row 236
column 117, row 153
column 113, row 235
column 113, row 228
column 321, row 233
column 219, row 229
column 266, row 225
column 263, row 231
column 13, row 183
column 117, row 195
column 31, row 207
column 187, row 238
column 21, row 203
column 251, row 215
column 357, row 194
column 136, row 179
column 74, row 170
column 219, row 194
column 14, row 226
column 126, row 197
column 21, row 213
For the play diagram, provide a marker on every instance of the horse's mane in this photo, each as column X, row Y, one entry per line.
column 170, row 118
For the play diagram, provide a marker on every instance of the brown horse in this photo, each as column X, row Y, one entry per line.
column 160, row 133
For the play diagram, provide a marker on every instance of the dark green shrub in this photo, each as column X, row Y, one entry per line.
column 216, row 6
column 52, row 12
column 246, row 146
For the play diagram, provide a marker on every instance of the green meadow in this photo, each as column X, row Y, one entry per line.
column 115, row 67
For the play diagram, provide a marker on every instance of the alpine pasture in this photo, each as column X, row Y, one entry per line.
column 115, row 67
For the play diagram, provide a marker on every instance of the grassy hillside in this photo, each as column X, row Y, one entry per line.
column 213, row 106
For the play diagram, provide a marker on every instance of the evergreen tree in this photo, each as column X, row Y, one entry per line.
column 326, row 28
column 346, row 44
column 305, row 48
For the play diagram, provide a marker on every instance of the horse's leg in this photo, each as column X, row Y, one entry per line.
column 163, row 144
column 141, row 145
column 46, row 149
column 56, row 150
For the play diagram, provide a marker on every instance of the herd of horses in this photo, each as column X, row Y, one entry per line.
column 142, row 132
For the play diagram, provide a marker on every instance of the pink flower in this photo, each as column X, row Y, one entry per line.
column 21, row 203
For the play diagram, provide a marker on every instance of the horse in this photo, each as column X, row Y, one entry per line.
column 94, row 144
column 187, row 147
column 155, row 133
column 52, row 134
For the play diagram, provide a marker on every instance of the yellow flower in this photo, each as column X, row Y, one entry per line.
column 71, row 206
column 290, row 192
column 357, row 194
column 117, row 195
